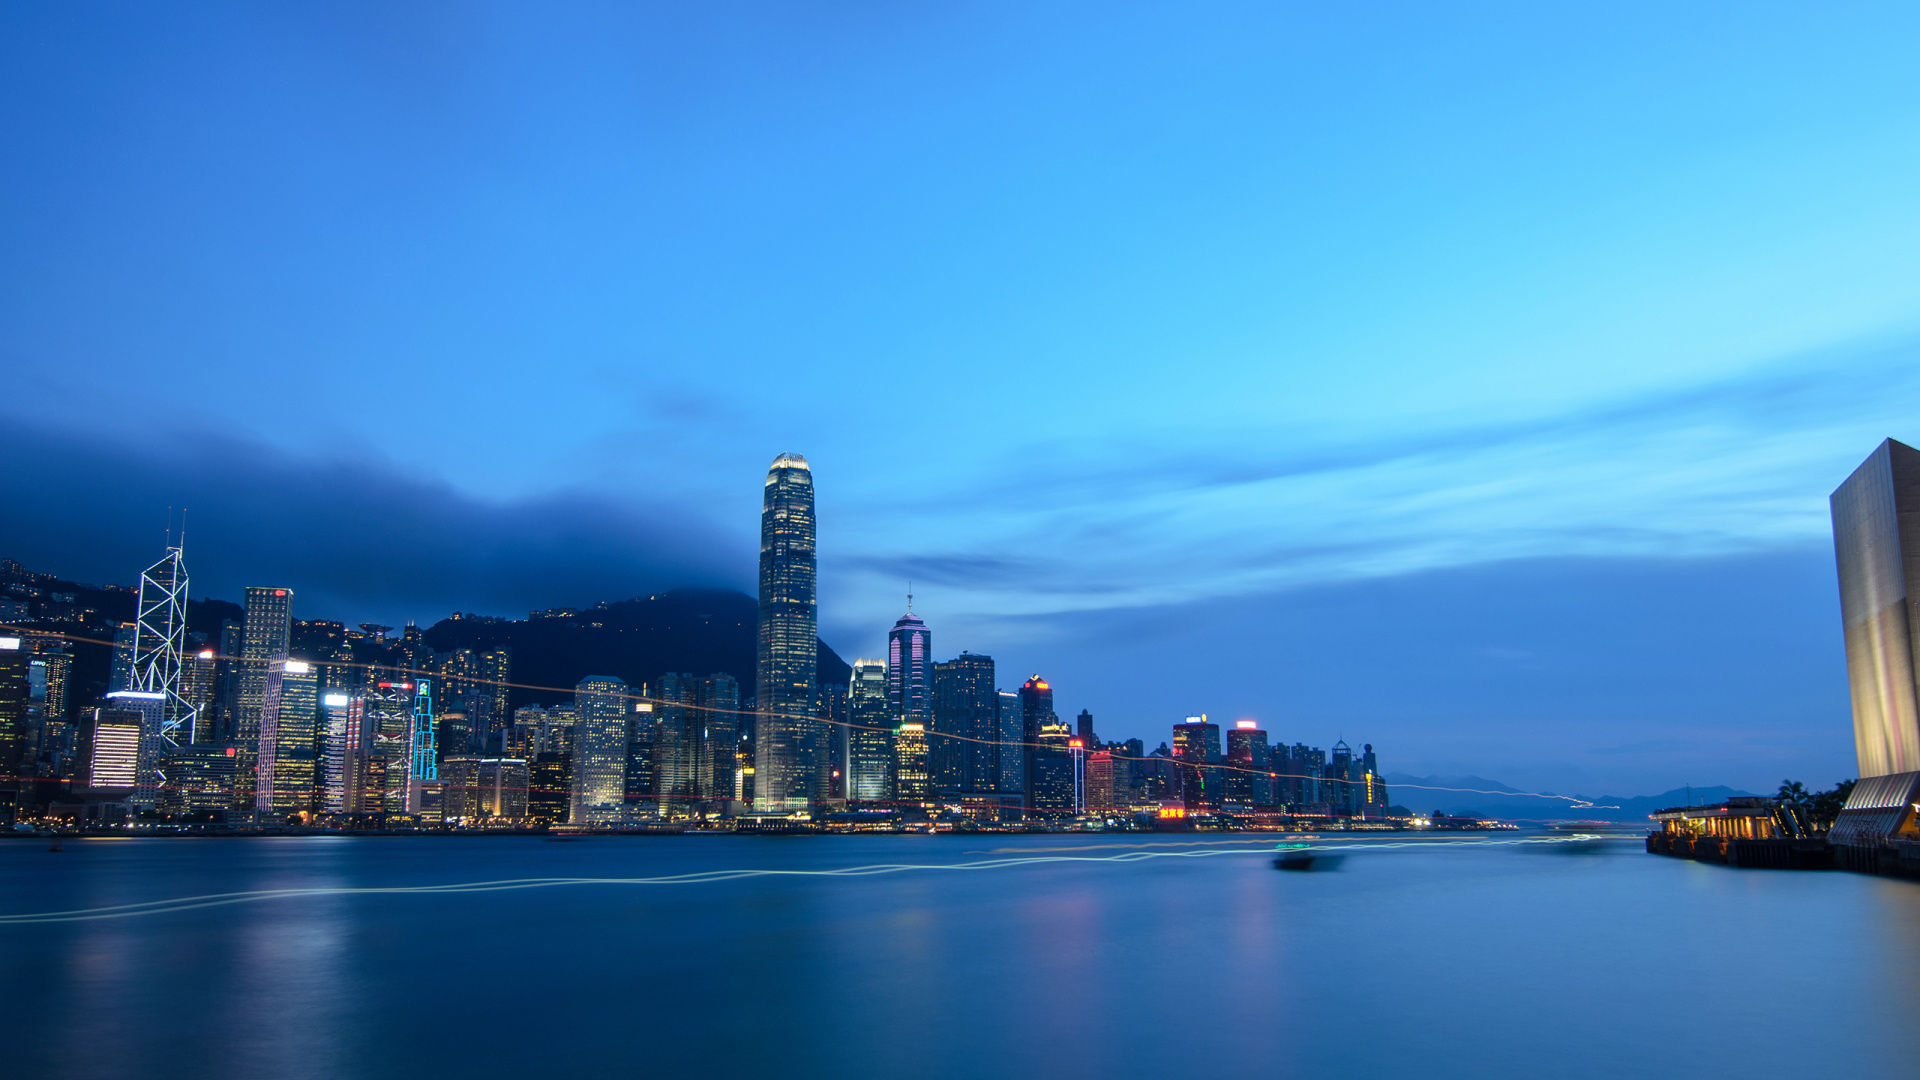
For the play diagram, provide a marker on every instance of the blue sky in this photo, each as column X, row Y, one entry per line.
column 1119, row 329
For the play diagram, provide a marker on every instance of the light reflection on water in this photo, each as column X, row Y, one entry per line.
column 1454, row 962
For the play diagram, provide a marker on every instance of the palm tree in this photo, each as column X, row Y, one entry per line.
column 1794, row 793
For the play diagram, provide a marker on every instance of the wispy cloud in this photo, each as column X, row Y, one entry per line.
column 1743, row 464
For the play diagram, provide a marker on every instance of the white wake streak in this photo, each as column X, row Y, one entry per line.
column 190, row 903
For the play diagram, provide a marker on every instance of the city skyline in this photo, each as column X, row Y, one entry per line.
column 1478, row 362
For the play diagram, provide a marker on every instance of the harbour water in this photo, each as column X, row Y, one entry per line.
column 1125, row 956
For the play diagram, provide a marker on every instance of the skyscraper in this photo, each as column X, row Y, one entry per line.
column 1036, row 716
column 263, row 637
column 387, row 721
column 1009, row 757
column 717, row 711
column 286, row 760
column 1248, row 782
column 870, row 736
column 14, row 659
column 151, row 707
column 676, row 744
column 423, row 763
column 160, row 644
column 1342, row 774
column 911, row 782
column 910, row 670
column 1876, row 544
column 496, row 677
column 600, row 749
column 335, row 754
column 785, row 730
column 966, row 710
column 1196, row 746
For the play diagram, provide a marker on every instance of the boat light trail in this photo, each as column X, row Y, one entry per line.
column 706, row 877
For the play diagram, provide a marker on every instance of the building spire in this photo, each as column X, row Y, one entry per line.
column 909, row 597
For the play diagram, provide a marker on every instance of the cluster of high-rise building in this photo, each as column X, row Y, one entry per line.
column 282, row 721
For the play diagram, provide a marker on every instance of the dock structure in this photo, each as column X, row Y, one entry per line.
column 1745, row 831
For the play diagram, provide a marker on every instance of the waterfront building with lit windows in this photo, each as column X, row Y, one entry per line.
column 676, row 743
column 387, row 726
column 264, row 636
column 1056, row 778
column 789, row 743
column 1009, row 760
column 200, row 778
column 870, row 734
column 1102, row 791
column 643, row 732
column 716, row 708
column 910, row 686
column 1036, row 713
column 496, row 682
column 109, row 753
column 549, row 788
column 285, row 761
column 600, row 749
column 484, row 790
column 966, row 710
column 1196, row 750
column 911, row 781
column 335, row 753
column 1248, row 781
column 151, row 706
column 14, row 662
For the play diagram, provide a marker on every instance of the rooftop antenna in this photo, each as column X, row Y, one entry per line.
column 183, row 530
column 909, row 596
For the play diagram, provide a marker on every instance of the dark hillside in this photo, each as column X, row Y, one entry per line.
column 701, row 631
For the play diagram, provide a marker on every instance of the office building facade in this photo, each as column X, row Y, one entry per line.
column 870, row 733
column 285, row 762
column 1248, row 779
column 264, row 636
column 600, row 749
column 1196, row 750
column 966, row 709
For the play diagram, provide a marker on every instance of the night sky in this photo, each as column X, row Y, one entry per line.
column 1467, row 382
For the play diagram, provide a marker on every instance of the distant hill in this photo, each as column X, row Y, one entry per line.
column 701, row 631
column 1491, row 798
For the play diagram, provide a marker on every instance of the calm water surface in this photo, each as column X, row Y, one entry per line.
column 1446, row 961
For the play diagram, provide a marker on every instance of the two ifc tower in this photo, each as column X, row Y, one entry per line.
column 790, row 753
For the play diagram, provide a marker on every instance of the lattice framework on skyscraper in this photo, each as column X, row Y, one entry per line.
column 160, row 642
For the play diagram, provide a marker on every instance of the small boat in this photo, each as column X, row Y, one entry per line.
column 1303, row 857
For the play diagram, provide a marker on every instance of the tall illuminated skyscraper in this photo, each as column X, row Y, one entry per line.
column 14, row 661
column 1247, row 780
column 263, row 637
column 966, row 710
column 600, row 749
column 160, row 645
column 1196, row 746
column 787, row 738
column 717, row 704
column 286, row 760
column 1009, row 754
column 1876, row 544
column 870, row 736
column 676, row 742
column 496, row 676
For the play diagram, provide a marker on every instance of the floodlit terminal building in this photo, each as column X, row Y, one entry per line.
column 1876, row 543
